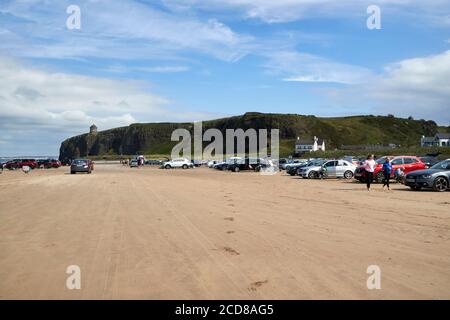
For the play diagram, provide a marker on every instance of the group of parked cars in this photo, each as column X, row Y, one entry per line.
column 416, row 172
column 237, row 164
column 31, row 163
column 320, row 168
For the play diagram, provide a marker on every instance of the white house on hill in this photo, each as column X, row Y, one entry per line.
column 439, row 140
column 313, row 145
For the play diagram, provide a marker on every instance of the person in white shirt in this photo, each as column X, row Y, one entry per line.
column 369, row 166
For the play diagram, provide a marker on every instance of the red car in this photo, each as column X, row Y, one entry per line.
column 19, row 163
column 407, row 163
column 48, row 163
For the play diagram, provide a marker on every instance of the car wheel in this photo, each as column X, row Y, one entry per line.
column 236, row 169
column 184, row 166
column 167, row 166
column 440, row 184
column 292, row 173
column 72, row 172
column 312, row 175
column 379, row 177
column 348, row 174
column 415, row 188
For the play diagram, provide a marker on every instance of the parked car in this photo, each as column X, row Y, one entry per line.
column 292, row 168
column 282, row 161
column 197, row 163
column 333, row 169
column 66, row 162
column 48, row 163
column 81, row 165
column 178, row 163
column 153, row 162
column 254, row 164
column 134, row 163
column 352, row 159
column 406, row 163
column 437, row 177
column 212, row 163
column 429, row 161
column 309, row 164
column 290, row 162
column 224, row 164
column 19, row 163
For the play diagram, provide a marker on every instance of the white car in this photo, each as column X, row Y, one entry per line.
column 212, row 163
column 134, row 163
column 178, row 163
column 331, row 169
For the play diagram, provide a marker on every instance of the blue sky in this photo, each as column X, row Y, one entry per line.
column 174, row 60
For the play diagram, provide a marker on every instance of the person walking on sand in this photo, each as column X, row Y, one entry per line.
column 369, row 166
column 387, row 169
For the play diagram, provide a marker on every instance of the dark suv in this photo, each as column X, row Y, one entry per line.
column 81, row 165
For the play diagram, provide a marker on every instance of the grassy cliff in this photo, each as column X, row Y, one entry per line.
column 154, row 138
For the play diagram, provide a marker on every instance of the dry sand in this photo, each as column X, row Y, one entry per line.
column 203, row 234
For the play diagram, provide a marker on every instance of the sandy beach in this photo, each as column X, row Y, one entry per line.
column 204, row 234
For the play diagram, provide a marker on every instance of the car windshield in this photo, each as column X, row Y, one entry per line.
column 381, row 160
column 443, row 165
column 234, row 160
column 78, row 162
column 315, row 163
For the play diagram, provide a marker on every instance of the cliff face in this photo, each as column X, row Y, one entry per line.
column 154, row 138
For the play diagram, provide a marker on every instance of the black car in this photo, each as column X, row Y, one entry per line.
column 81, row 165
column 246, row 164
column 153, row 162
column 221, row 166
column 437, row 177
column 429, row 160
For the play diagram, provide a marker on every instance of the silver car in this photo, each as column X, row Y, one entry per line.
column 437, row 177
column 330, row 169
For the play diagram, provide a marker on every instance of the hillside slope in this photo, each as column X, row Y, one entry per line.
column 154, row 138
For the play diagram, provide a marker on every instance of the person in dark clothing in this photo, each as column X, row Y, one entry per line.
column 387, row 169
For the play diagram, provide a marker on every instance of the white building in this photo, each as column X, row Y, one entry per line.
column 316, row 144
column 439, row 140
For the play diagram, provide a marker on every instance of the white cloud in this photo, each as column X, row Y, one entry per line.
column 39, row 107
column 302, row 67
column 419, row 82
column 279, row 11
column 114, row 29
column 152, row 69
column 419, row 87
